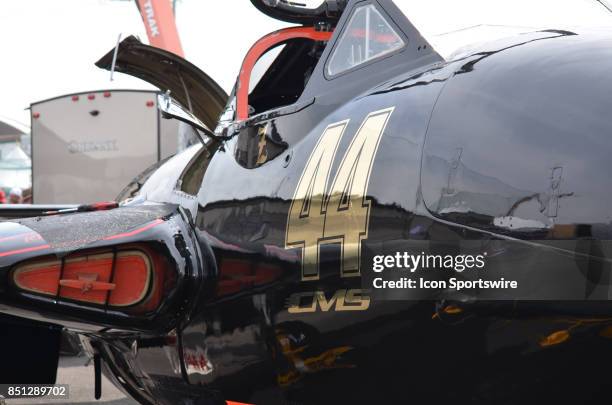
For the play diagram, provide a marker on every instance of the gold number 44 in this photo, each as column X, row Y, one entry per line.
column 341, row 214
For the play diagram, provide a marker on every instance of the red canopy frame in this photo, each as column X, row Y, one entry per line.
column 258, row 49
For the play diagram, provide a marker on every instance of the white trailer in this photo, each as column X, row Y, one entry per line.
column 87, row 146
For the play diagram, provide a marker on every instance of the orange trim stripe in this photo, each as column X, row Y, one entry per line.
column 135, row 231
column 260, row 47
column 24, row 250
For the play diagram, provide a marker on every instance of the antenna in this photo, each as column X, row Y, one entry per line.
column 112, row 70
column 606, row 3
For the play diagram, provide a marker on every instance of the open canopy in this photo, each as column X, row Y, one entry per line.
column 306, row 12
column 190, row 86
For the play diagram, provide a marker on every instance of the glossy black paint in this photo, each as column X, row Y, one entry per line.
column 164, row 228
column 526, row 139
column 510, row 134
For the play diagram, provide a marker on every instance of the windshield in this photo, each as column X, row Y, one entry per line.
column 449, row 25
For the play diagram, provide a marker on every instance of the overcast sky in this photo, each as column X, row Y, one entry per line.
column 49, row 47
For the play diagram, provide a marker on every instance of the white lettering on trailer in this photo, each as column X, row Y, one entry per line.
column 93, row 146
